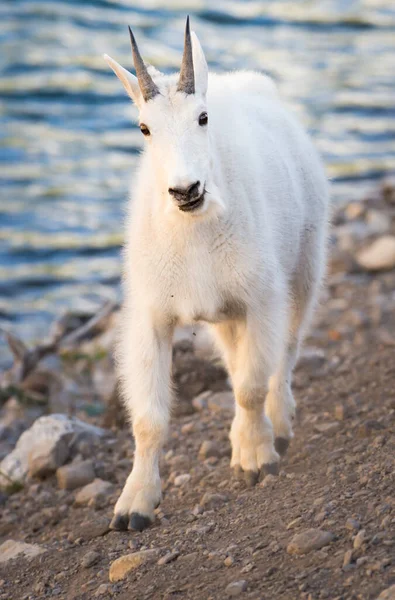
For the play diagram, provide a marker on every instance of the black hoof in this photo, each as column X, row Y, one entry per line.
column 269, row 469
column 251, row 478
column 119, row 522
column 139, row 522
column 281, row 445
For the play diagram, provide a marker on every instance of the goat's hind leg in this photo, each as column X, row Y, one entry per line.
column 251, row 434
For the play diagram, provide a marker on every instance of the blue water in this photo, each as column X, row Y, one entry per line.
column 68, row 144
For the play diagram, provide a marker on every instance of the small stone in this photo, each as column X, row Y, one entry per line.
column 89, row 559
column 347, row 559
column 379, row 256
column 94, row 494
column 169, row 557
column 268, row 480
column 325, row 427
column 209, row 500
column 294, row 523
column 221, row 401
column 89, row 530
column 359, row 539
column 312, row 359
column 229, row 561
column 103, row 590
column 353, row 525
column 182, row 479
column 209, row 449
column 75, row 475
column 122, row 566
column 340, row 412
column 236, row 588
column 388, row 594
column 10, row 549
column 309, row 540
column 200, row 402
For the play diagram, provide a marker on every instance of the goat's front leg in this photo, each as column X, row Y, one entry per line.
column 250, row 350
column 144, row 357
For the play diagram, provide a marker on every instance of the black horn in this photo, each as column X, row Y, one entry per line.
column 147, row 86
column 186, row 83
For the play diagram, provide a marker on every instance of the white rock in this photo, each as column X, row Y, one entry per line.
column 47, row 456
column 47, row 430
column 182, row 479
column 379, row 256
column 309, row 540
column 10, row 549
column 388, row 594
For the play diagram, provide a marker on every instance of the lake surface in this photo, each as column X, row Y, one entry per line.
column 68, row 144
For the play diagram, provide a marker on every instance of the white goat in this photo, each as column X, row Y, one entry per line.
column 227, row 225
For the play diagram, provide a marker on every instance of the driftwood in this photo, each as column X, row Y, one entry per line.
column 26, row 359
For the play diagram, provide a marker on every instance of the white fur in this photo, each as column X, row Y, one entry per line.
column 249, row 262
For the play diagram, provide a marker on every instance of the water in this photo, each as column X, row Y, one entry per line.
column 68, row 144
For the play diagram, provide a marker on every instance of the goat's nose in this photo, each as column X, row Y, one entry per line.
column 185, row 192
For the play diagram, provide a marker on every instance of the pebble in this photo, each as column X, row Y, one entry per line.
column 75, row 475
column 379, row 256
column 359, row 539
column 92, row 529
column 229, row 561
column 388, row 594
column 221, row 401
column 212, row 500
column 122, row 566
column 353, row 525
column 94, row 493
column 169, row 557
column 102, row 590
column 209, row 449
column 182, row 479
column 10, row 549
column 347, row 559
column 294, row 523
column 236, row 588
column 200, row 402
column 89, row 559
column 309, row 540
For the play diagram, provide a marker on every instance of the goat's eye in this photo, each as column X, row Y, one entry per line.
column 203, row 119
column 144, row 129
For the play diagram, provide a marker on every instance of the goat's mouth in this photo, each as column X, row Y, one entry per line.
column 193, row 204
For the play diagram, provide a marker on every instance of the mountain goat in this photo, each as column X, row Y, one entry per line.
column 228, row 226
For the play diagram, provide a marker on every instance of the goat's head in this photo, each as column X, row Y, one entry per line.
column 173, row 118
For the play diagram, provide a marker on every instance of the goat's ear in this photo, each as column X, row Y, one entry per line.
column 128, row 80
column 199, row 65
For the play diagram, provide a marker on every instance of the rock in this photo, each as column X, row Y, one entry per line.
column 200, row 402
column 221, row 401
column 229, row 561
column 309, row 540
column 10, row 549
column 45, row 458
column 347, row 559
column 182, row 479
column 95, row 493
column 388, row 594
column 169, row 557
column 236, row 588
column 89, row 559
column 92, row 529
column 294, row 523
column 46, row 430
column 311, row 359
column 75, row 475
column 378, row 222
column 209, row 500
column 353, row 525
column 359, row 539
column 122, row 566
column 379, row 256
column 340, row 412
column 103, row 590
column 209, row 449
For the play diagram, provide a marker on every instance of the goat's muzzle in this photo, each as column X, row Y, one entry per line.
column 189, row 198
